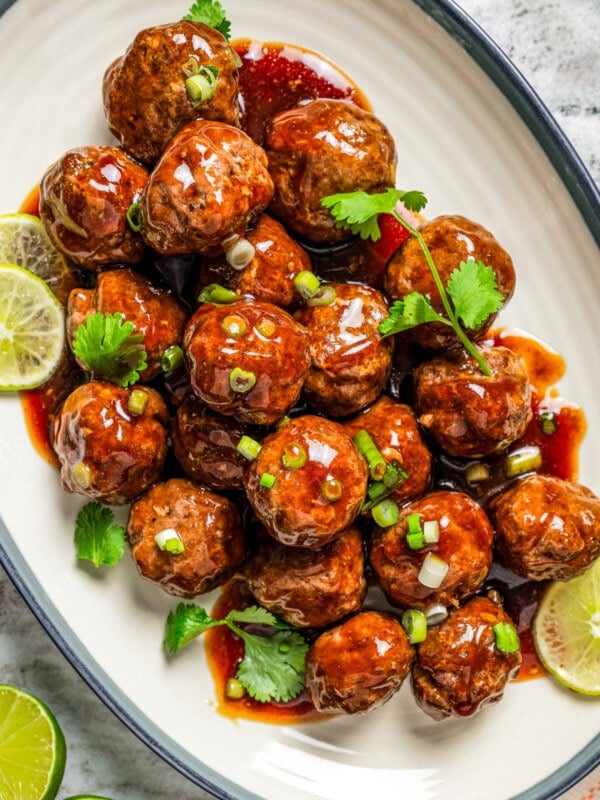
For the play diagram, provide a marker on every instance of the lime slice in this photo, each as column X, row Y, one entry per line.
column 32, row 329
column 24, row 241
column 566, row 631
column 32, row 748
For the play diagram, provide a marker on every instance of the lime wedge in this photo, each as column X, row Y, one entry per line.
column 32, row 329
column 24, row 241
column 32, row 748
column 566, row 631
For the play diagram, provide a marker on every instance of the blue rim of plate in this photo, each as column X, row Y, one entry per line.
column 586, row 196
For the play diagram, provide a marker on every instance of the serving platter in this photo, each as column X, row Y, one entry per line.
column 473, row 137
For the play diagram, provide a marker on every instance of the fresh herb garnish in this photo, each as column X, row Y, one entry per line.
column 272, row 668
column 470, row 295
column 110, row 349
column 211, row 13
column 97, row 538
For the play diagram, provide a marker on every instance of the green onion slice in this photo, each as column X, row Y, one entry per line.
column 433, row 571
column 267, row 480
column 526, row 459
column 215, row 293
column 507, row 638
column 414, row 623
column 306, row 284
column 385, row 513
column 234, row 325
column 367, row 447
column 248, row 447
column 324, row 296
column 293, row 456
column 241, row 380
column 201, row 85
column 332, row 489
column 548, row 422
column 172, row 358
column 138, row 400
column 134, row 217
column 169, row 541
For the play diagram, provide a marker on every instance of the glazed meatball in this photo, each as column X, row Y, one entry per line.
column 270, row 274
column 105, row 451
column 205, row 445
column 321, row 148
column 459, row 669
column 359, row 664
column 209, row 185
column 350, row 362
column 464, row 545
column 144, row 91
column 468, row 413
column 309, row 588
column 547, row 528
column 248, row 359
column 320, row 480
column 154, row 312
column 208, row 526
column 84, row 198
column 394, row 429
column 451, row 239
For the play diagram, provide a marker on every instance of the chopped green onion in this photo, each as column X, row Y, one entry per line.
column 293, row 456
column 241, row 380
column 414, row 523
column 332, row 489
column 234, row 689
column 415, row 540
column 507, row 638
column 414, row 623
column 82, row 475
column 215, row 293
column 523, row 460
column 248, row 447
column 267, row 480
column 134, row 217
column 306, row 284
column 433, row 571
column 169, row 541
column 284, row 421
column 548, row 422
column 138, row 400
column 172, row 358
column 435, row 614
column 201, row 86
column 431, row 531
column 367, row 447
column 266, row 328
column 324, row 296
column 477, row 472
column 385, row 513
column 240, row 254
column 378, row 490
column 234, row 325
column 191, row 66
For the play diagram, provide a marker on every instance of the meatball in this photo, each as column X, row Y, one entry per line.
column 208, row 526
column 547, row 528
column 350, row 362
column 394, row 429
column 209, row 185
column 464, row 546
column 321, row 148
column 205, row 445
column 459, row 669
column 248, row 359
column 155, row 313
column 144, row 91
column 359, row 664
column 451, row 239
column 468, row 413
column 105, row 451
column 270, row 274
column 318, row 482
column 309, row 588
column 84, row 199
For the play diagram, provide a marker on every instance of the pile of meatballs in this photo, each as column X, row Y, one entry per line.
column 299, row 379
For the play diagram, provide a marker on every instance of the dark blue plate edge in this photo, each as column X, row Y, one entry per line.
column 586, row 196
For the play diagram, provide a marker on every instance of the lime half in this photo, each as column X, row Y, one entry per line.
column 32, row 329
column 32, row 748
column 24, row 241
column 566, row 631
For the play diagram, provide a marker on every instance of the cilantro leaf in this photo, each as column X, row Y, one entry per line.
column 184, row 624
column 415, row 309
column 258, row 616
column 97, row 538
column 211, row 13
column 474, row 293
column 110, row 349
column 273, row 667
column 358, row 211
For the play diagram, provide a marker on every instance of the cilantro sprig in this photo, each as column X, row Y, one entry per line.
column 211, row 13
column 109, row 348
column 470, row 295
column 272, row 668
column 97, row 538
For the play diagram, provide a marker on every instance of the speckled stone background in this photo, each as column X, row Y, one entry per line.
column 556, row 45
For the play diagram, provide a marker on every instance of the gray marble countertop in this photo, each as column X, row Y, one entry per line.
column 556, row 45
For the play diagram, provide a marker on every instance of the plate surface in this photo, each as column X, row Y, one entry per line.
column 460, row 140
